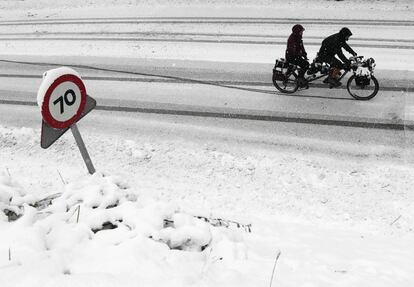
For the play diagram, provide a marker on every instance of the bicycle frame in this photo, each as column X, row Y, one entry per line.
column 311, row 78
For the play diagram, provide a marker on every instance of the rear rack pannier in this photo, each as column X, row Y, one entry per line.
column 281, row 68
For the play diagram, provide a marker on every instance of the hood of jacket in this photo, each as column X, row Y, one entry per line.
column 297, row 29
column 345, row 33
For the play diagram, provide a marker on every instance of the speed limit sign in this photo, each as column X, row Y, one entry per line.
column 63, row 101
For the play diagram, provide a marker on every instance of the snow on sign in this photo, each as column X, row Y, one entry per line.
column 63, row 101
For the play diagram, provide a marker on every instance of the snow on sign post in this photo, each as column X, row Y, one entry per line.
column 63, row 101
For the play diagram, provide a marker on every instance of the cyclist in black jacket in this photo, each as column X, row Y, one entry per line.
column 332, row 47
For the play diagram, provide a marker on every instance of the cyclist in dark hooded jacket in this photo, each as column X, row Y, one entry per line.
column 332, row 47
column 295, row 52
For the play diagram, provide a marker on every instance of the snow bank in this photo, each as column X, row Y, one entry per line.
column 15, row 137
column 12, row 198
column 102, row 203
column 108, row 231
column 99, row 224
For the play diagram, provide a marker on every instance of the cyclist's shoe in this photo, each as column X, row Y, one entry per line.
column 304, row 86
column 333, row 83
column 312, row 70
column 302, row 83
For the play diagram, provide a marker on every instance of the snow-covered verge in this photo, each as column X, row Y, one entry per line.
column 98, row 228
column 336, row 224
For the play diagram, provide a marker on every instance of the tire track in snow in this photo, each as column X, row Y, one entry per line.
column 183, row 80
column 217, row 41
column 396, row 44
column 283, row 37
column 205, row 20
column 196, row 111
column 167, row 78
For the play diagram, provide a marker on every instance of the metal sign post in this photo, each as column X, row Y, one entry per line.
column 82, row 148
column 63, row 102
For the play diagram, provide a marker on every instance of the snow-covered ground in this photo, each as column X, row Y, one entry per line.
column 338, row 208
column 301, row 203
column 330, row 9
column 332, row 216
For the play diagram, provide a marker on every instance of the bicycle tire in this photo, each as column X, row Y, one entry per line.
column 282, row 85
column 365, row 97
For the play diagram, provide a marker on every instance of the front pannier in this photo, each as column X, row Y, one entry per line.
column 362, row 81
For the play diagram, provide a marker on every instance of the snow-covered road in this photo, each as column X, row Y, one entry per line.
column 201, row 88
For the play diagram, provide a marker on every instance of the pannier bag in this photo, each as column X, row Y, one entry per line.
column 281, row 68
column 362, row 80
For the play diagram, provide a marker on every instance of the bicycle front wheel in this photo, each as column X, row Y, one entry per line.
column 287, row 84
column 362, row 92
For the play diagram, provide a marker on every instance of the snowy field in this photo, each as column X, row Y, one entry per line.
column 336, row 203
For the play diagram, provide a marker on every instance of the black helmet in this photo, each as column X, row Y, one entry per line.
column 297, row 29
column 345, row 33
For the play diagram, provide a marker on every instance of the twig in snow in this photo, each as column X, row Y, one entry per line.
column 210, row 260
column 395, row 220
column 61, row 177
column 207, row 261
column 77, row 217
column 225, row 223
column 8, row 171
column 9, row 254
column 274, row 266
column 45, row 202
column 77, row 210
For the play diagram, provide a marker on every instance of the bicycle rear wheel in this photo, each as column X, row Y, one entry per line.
column 362, row 92
column 287, row 84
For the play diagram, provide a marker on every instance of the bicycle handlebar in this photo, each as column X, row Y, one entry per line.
column 356, row 58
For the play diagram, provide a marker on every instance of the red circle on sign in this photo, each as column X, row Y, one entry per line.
column 47, row 116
